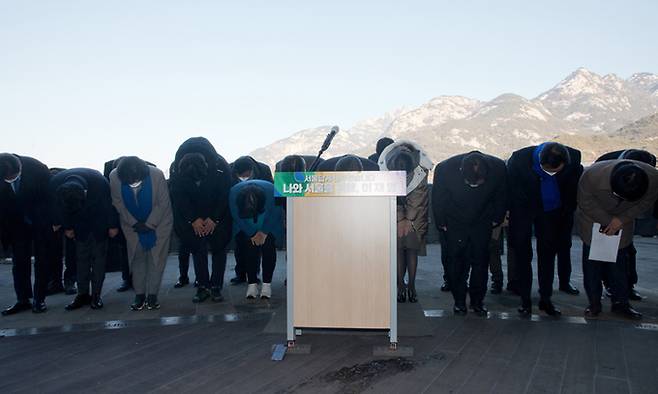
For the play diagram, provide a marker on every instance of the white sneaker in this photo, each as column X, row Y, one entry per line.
column 252, row 291
column 266, row 291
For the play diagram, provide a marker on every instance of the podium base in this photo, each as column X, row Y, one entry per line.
column 393, row 351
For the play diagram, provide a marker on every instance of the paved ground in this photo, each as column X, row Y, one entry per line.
column 226, row 347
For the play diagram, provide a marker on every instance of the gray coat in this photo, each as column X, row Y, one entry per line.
column 597, row 204
column 161, row 218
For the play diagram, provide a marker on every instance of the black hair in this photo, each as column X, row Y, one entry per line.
column 639, row 155
column 474, row 167
column 193, row 166
column 402, row 161
column 250, row 201
column 554, row 155
column 9, row 165
column 71, row 196
column 132, row 169
column 293, row 163
column 629, row 181
column 382, row 144
column 349, row 163
column 243, row 164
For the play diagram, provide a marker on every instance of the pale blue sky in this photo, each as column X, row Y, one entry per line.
column 84, row 81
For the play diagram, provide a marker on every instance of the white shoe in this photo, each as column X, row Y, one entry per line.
column 252, row 291
column 266, row 291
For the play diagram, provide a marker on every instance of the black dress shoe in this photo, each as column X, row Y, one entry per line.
column 17, row 308
column 525, row 311
column 182, row 282
column 549, row 308
column 402, row 295
column 96, row 302
column 413, row 297
column 627, row 311
column 480, row 310
column 78, row 302
column 445, row 287
column 201, row 295
column 125, row 286
column 460, row 310
column 593, row 310
column 39, row 307
column 196, row 283
column 633, row 295
column 238, row 280
column 569, row 289
column 496, row 288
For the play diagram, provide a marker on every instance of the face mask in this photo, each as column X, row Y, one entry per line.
column 136, row 184
column 10, row 181
column 243, row 178
column 550, row 173
column 473, row 185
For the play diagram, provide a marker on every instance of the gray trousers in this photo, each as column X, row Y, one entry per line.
column 147, row 275
column 91, row 256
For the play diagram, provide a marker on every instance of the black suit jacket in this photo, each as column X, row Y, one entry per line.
column 456, row 203
column 524, row 188
column 30, row 204
column 98, row 214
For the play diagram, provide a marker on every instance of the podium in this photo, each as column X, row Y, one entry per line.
column 341, row 250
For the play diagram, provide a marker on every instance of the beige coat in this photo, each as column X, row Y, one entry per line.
column 161, row 218
column 416, row 209
column 597, row 204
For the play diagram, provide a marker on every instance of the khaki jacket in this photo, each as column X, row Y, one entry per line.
column 597, row 204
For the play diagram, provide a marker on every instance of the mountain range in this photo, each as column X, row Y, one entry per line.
column 585, row 110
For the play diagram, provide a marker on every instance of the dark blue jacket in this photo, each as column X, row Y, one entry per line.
column 273, row 214
column 98, row 214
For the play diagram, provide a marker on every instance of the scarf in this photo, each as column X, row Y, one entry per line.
column 550, row 191
column 140, row 207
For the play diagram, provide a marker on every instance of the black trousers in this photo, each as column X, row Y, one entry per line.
column 468, row 252
column 444, row 255
column 216, row 244
column 91, row 258
column 240, row 265
column 616, row 273
column 553, row 233
column 183, row 260
column 62, row 248
column 253, row 256
column 564, row 252
column 495, row 263
column 117, row 256
column 29, row 238
column 631, row 269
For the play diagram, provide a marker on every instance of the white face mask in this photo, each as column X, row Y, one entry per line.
column 473, row 185
column 10, row 181
column 136, row 184
column 243, row 178
column 549, row 173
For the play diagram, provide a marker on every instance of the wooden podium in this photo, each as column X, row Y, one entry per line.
column 341, row 250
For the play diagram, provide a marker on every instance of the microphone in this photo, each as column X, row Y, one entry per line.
column 330, row 137
column 325, row 146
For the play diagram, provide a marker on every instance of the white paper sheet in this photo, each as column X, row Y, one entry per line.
column 604, row 247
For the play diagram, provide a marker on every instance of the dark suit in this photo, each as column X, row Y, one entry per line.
column 207, row 199
column 552, row 229
column 468, row 214
column 24, row 225
column 90, row 225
